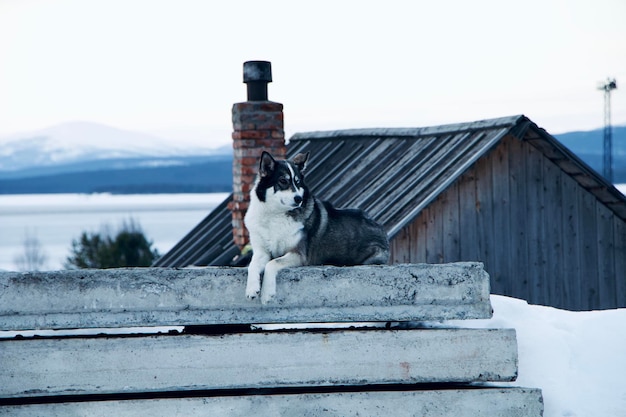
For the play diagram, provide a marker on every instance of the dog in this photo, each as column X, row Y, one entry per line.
column 289, row 227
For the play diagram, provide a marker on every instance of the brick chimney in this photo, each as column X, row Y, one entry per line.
column 257, row 126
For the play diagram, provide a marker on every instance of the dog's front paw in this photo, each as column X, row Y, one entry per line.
column 253, row 288
column 267, row 294
column 252, row 294
column 268, row 291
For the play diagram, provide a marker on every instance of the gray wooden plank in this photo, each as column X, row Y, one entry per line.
column 451, row 224
column 618, row 208
column 518, row 283
column 375, row 158
column 417, row 150
column 214, row 295
column 400, row 247
column 571, row 284
column 553, row 213
column 468, row 212
column 434, row 233
column 76, row 366
column 606, row 258
column 535, row 226
column 484, row 215
column 588, row 229
column 620, row 261
column 418, row 237
column 494, row 402
column 501, row 211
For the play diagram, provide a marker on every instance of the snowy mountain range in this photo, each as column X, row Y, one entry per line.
column 82, row 157
column 80, row 142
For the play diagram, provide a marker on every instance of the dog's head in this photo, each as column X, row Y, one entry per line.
column 280, row 182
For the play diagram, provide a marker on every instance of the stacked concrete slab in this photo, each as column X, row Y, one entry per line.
column 367, row 362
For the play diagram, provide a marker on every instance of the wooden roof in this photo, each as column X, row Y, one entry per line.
column 392, row 174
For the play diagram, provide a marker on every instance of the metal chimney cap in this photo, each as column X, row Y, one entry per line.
column 257, row 71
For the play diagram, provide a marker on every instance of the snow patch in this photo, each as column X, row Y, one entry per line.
column 578, row 359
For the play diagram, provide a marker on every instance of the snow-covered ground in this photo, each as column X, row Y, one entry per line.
column 578, row 359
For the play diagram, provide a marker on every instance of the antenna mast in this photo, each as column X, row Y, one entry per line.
column 607, row 87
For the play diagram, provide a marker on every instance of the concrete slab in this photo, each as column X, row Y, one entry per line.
column 493, row 402
column 169, row 297
column 84, row 366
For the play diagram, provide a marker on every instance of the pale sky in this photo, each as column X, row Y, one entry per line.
column 153, row 65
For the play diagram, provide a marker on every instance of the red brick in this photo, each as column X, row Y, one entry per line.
column 243, row 179
column 278, row 153
column 245, row 153
column 270, row 106
column 243, row 125
column 247, row 161
column 275, row 142
column 238, row 215
column 243, row 188
column 252, row 134
column 241, row 241
column 269, row 125
column 257, row 106
column 249, row 169
column 243, row 143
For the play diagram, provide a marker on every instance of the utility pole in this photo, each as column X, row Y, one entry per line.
column 607, row 87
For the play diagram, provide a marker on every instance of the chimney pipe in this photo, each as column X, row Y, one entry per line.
column 256, row 75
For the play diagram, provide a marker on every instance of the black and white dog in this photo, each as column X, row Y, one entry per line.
column 289, row 227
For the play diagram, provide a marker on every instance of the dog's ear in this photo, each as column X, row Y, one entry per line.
column 300, row 160
column 267, row 165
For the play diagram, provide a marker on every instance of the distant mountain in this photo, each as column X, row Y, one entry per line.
column 82, row 157
column 112, row 164
column 81, row 142
column 589, row 146
column 192, row 175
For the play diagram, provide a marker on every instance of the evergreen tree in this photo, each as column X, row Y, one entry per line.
column 128, row 248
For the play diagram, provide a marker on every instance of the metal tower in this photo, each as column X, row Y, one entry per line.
column 607, row 87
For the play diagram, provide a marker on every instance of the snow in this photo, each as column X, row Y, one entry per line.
column 578, row 359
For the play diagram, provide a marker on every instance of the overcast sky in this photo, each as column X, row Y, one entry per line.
column 154, row 65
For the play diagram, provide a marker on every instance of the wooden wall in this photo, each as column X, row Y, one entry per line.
column 541, row 236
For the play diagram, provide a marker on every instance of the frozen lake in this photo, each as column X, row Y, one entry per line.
column 56, row 219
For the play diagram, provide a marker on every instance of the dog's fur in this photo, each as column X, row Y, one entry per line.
column 289, row 227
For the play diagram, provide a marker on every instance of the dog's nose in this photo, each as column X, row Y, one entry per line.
column 298, row 199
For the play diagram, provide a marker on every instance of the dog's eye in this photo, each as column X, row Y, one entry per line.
column 283, row 182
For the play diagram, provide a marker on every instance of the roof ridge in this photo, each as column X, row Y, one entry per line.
column 410, row 131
